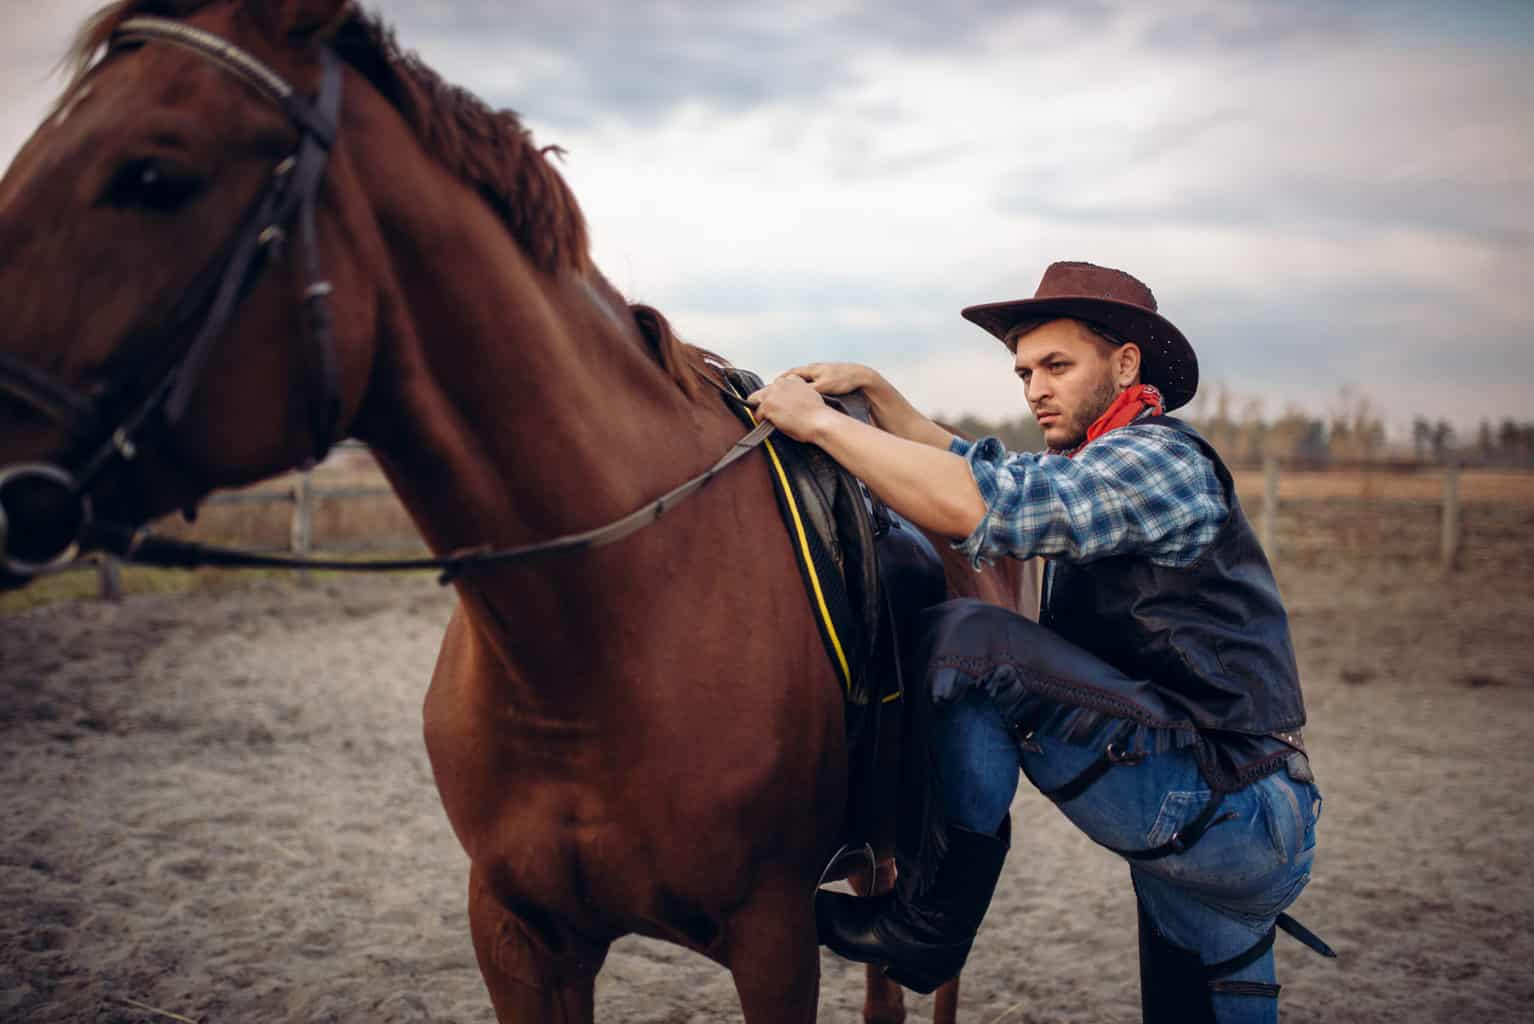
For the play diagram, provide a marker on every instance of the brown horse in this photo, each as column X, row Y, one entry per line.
column 643, row 738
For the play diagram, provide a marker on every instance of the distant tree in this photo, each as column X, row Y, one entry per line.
column 1484, row 445
column 1251, row 432
column 1296, row 435
column 1421, row 437
column 1514, row 443
column 1443, row 440
column 1355, row 430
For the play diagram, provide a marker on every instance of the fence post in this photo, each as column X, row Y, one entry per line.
column 1270, row 508
column 301, row 536
column 1449, row 540
column 110, row 577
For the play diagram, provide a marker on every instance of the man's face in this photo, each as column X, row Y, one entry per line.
column 1071, row 377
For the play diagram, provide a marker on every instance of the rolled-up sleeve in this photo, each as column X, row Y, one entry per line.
column 1140, row 490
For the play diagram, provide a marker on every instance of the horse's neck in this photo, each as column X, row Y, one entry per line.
column 513, row 406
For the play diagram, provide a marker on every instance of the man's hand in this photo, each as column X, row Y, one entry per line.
column 923, row 482
column 838, row 378
column 793, row 406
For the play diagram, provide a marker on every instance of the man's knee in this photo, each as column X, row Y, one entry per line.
column 1182, row 984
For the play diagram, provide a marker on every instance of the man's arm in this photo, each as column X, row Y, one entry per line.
column 1140, row 491
column 931, row 487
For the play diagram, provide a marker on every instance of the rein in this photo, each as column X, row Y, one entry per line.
column 145, row 548
column 66, row 525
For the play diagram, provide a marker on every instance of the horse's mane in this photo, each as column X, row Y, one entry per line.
column 487, row 149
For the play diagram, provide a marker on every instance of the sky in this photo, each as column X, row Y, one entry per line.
column 1329, row 199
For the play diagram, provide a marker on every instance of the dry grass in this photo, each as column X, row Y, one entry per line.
column 1476, row 486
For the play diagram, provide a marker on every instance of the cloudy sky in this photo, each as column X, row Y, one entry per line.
column 1322, row 194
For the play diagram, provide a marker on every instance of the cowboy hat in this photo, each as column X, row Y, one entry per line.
column 1118, row 303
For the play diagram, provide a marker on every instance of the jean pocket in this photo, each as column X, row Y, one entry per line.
column 1178, row 808
column 1291, row 809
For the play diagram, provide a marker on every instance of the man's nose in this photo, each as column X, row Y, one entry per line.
column 1037, row 388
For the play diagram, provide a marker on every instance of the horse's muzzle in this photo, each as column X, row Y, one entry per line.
column 42, row 518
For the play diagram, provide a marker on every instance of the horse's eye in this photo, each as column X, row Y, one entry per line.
column 150, row 185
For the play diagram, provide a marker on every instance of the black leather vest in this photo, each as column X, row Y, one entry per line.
column 1212, row 638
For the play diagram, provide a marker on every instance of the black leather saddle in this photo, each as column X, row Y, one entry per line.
column 868, row 573
column 834, row 524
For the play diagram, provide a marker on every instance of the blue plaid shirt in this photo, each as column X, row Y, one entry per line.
column 1142, row 490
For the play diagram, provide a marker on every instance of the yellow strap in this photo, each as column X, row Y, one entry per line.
column 809, row 561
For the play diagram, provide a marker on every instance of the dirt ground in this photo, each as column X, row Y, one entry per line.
column 218, row 805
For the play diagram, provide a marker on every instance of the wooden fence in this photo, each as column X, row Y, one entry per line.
column 1450, row 530
column 305, row 495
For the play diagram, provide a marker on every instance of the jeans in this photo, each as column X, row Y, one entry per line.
column 1217, row 898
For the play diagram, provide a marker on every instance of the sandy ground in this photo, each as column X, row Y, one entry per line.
column 219, row 805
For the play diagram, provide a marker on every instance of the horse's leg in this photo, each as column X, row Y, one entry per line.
column 945, row 1004
column 773, row 956
column 536, row 971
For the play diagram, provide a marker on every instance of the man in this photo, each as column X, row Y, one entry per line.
column 1157, row 700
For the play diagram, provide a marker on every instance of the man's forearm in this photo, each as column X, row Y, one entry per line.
column 898, row 416
column 929, row 485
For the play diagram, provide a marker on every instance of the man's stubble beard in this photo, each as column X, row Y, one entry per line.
column 1097, row 404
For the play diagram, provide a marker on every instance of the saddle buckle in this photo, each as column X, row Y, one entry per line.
column 1118, row 756
column 1026, row 742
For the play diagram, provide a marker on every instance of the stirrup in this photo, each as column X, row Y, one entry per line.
column 848, row 851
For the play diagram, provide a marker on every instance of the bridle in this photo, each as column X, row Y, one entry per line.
column 65, row 525
column 290, row 193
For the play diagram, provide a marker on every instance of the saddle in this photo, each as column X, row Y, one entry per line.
column 834, row 523
column 867, row 574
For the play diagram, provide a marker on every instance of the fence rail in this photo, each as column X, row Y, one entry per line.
column 305, row 495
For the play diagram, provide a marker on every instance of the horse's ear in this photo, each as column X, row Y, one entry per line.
column 302, row 19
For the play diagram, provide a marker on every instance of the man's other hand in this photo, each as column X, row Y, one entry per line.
column 793, row 406
column 837, row 378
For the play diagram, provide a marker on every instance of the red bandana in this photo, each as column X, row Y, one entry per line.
column 1126, row 408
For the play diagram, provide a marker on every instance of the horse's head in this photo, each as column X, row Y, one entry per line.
column 141, row 363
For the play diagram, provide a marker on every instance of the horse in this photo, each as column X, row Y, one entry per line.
column 645, row 737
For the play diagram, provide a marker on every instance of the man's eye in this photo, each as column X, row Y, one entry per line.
column 150, row 185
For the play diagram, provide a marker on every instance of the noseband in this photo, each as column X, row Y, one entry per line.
column 59, row 496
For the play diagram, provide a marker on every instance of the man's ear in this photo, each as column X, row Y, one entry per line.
column 1126, row 364
column 300, row 19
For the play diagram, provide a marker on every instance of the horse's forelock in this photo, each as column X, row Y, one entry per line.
column 99, row 28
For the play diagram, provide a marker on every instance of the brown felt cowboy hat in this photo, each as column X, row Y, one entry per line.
column 1118, row 303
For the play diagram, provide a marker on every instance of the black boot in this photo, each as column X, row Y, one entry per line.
column 923, row 941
